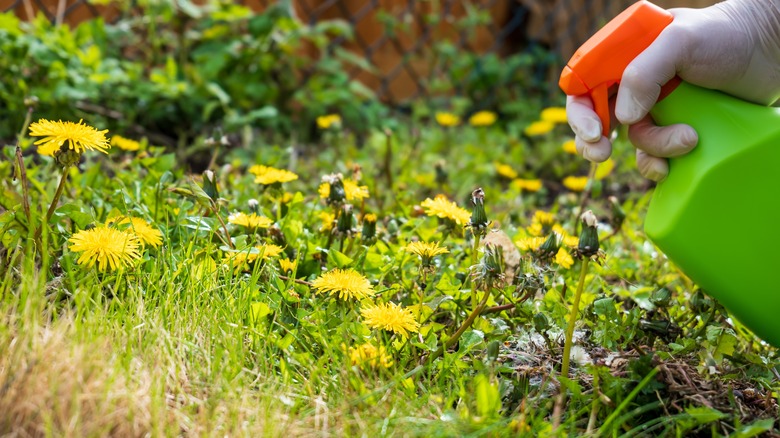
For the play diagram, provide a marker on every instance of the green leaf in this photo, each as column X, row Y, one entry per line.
column 340, row 259
column 487, row 395
column 470, row 339
column 259, row 310
column 753, row 429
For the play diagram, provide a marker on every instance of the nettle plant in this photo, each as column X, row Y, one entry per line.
column 175, row 73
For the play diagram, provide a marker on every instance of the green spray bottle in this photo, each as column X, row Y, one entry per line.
column 714, row 215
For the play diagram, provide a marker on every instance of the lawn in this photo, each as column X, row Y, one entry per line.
column 305, row 271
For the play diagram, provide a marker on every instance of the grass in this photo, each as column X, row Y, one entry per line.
column 183, row 343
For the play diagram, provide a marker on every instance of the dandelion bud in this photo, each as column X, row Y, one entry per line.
column 618, row 214
column 441, row 173
column 31, row 101
column 661, row 298
column 344, row 223
column 336, row 195
column 489, row 272
column 550, row 247
column 589, row 238
column 210, row 185
column 541, row 323
column 67, row 157
column 493, row 350
column 253, row 205
column 368, row 234
column 479, row 221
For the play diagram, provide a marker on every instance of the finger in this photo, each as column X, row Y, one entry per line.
column 582, row 119
column 643, row 77
column 651, row 167
column 596, row 152
column 662, row 141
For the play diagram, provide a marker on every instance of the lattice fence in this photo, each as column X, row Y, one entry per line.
column 404, row 55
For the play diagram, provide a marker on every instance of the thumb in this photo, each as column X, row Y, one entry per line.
column 644, row 76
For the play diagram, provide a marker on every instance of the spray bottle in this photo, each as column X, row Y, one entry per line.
column 715, row 215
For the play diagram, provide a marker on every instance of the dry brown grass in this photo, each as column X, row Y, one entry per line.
column 50, row 385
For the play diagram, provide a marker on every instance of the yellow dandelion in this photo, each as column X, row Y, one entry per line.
column 530, row 243
column 251, row 221
column 390, row 317
column 563, row 258
column 604, row 169
column 240, row 260
column 369, row 355
column 567, row 239
column 328, row 220
column 370, row 217
column 575, row 183
column 447, row 119
column 147, row 234
column 570, row 147
column 483, row 118
column 528, row 185
column 125, row 144
column 346, row 283
column 443, row 208
column 288, row 265
column 426, row 251
column 538, row 128
column 80, row 137
column 505, row 171
column 266, row 175
column 554, row 115
column 328, row 121
column 108, row 247
column 542, row 223
column 352, row 190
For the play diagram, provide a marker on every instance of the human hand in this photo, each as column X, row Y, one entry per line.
column 733, row 46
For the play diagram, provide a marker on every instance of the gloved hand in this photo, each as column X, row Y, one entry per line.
column 733, row 46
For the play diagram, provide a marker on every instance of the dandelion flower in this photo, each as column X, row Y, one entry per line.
column 568, row 240
column 390, row 317
column 530, row 243
column 79, row 137
column 563, row 258
column 125, row 144
column 554, row 115
column 538, row 128
column 147, row 234
column 528, row 185
column 425, row 249
column 266, row 175
column 328, row 220
column 483, row 118
column 505, row 171
column 328, row 121
column 352, row 190
column 370, row 355
column 251, row 221
column 447, row 119
column 241, row 260
column 570, row 147
column 108, row 247
column 288, row 265
column 542, row 223
column 443, row 208
column 346, row 283
column 576, row 183
column 604, row 169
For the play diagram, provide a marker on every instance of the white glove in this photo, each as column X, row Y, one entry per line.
column 733, row 46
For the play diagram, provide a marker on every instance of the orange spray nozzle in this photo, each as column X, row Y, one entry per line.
column 599, row 63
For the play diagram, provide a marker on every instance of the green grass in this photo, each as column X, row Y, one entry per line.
column 178, row 344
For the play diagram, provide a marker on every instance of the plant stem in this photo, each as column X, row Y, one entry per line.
column 54, row 202
column 474, row 253
column 466, row 324
column 22, row 169
column 573, row 318
column 215, row 209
